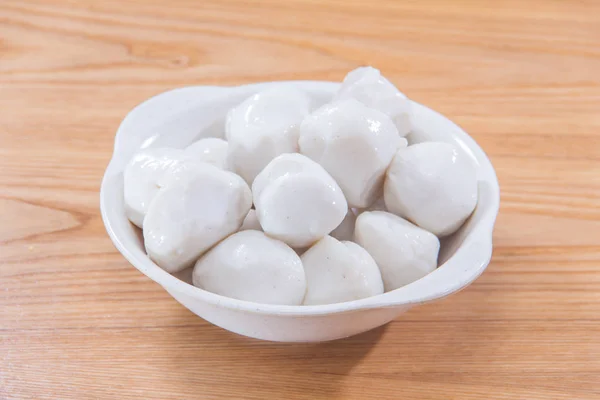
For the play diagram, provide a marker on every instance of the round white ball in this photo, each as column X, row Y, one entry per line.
column 297, row 201
column 339, row 271
column 367, row 85
column 433, row 185
column 141, row 179
column 263, row 127
column 355, row 144
column 403, row 251
column 251, row 266
column 192, row 214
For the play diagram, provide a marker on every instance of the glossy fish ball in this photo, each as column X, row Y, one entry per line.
column 141, row 179
column 251, row 266
column 355, row 144
column 403, row 251
column 297, row 201
column 209, row 150
column 433, row 185
column 339, row 271
column 345, row 230
column 367, row 85
column 192, row 214
column 263, row 127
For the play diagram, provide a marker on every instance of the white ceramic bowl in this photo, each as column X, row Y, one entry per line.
column 179, row 117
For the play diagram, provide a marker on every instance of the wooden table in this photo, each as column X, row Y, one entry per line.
column 523, row 77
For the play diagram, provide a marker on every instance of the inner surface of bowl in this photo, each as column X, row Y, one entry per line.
column 179, row 117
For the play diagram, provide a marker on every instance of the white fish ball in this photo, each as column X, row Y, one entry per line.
column 251, row 266
column 339, row 271
column 403, row 251
column 433, row 185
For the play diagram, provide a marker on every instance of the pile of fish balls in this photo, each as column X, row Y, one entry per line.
column 303, row 206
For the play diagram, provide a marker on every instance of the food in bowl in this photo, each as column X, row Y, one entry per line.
column 339, row 271
column 433, row 185
column 403, row 251
column 355, row 144
column 336, row 183
column 180, row 117
column 192, row 212
column 252, row 266
column 264, row 126
column 297, row 201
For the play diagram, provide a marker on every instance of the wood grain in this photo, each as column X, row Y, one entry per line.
column 523, row 77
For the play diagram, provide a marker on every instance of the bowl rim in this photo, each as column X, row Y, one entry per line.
column 471, row 258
